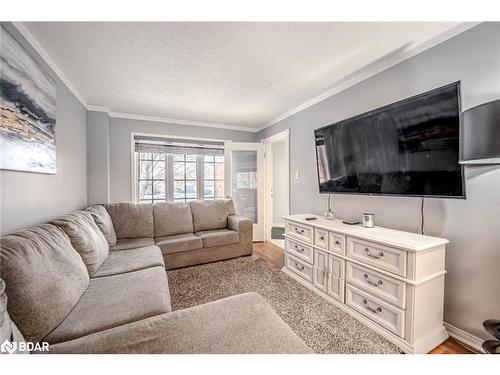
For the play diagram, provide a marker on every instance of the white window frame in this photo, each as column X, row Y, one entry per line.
column 169, row 187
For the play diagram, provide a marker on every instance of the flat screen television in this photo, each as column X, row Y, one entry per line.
column 408, row 148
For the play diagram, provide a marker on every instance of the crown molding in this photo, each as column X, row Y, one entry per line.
column 23, row 30
column 130, row 116
column 370, row 71
column 97, row 108
column 133, row 116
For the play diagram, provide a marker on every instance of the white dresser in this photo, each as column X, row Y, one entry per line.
column 392, row 281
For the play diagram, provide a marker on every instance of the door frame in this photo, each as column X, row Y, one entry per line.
column 268, row 201
column 259, row 227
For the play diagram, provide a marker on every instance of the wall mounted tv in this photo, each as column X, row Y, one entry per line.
column 408, row 148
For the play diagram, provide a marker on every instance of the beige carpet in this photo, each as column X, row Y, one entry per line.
column 323, row 327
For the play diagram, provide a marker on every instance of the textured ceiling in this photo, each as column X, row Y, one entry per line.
column 241, row 74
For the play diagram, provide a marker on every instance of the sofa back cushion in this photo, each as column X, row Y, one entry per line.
column 104, row 222
column 44, row 278
column 208, row 215
column 172, row 218
column 85, row 237
column 132, row 220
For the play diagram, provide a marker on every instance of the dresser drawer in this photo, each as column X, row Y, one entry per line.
column 299, row 267
column 299, row 250
column 385, row 287
column 321, row 238
column 302, row 232
column 387, row 258
column 337, row 243
column 382, row 313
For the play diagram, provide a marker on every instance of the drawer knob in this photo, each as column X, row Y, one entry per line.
column 322, row 238
column 337, row 242
column 300, row 267
column 299, row 231
column 376, row 256
column 371, row 282
column 375, row 311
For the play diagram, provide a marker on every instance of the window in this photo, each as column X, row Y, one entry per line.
column 185, row 181
column 213, row 180
column 151, row 177
column 178, row 172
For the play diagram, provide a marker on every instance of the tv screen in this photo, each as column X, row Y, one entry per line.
column 407, row 148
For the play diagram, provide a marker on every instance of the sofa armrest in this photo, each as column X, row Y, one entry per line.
column 239, row 223
column 244, row 227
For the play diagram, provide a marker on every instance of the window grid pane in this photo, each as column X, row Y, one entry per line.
column 213, row 177
column 185, row 178
column 151, row 177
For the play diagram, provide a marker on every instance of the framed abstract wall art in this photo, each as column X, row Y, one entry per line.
column 27, row 110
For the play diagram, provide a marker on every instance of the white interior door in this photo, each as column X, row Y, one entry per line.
column 246, row 182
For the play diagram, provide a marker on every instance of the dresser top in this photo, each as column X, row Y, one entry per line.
column 391, row 237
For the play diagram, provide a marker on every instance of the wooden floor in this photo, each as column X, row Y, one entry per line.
column 274, row 255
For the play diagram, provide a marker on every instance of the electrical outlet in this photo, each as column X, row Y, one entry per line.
column 297, row 175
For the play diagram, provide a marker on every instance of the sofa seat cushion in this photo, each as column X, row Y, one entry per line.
column 44, row 278
column 104, row 222
column 113, row 301
column 218, row 237
column 208, row 215
column 178, row 243
column 240, row 324
column 131, row 220
column 86, row 238
column 133, row 243
column 172, row 218
column 122, row 261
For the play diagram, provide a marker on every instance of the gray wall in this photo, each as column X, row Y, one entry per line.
column 120, row 142
column 98, row 157
column 30, row 198
column 472, row 225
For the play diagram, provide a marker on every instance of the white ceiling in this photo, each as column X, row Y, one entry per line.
column 240, row 74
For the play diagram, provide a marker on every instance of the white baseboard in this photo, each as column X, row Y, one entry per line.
column 469, row 340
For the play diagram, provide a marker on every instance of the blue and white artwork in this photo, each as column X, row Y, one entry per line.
column 27, row 110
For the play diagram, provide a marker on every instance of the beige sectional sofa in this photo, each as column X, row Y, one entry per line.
column 94, row 281
column 187, row 233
